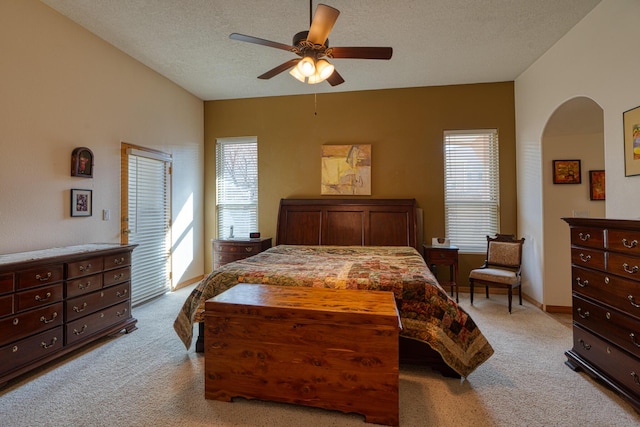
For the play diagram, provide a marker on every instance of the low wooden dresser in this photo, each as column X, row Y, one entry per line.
column 229, row 250
column 605, row 264
column 56, row 300
column 328, row 348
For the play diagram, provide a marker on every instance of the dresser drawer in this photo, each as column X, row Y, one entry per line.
column 589, row 237
column 25, row 324
column 84, row 285
column 95, row 301
column 40, row 276
column 118, row 260
column 38, row 297
column 620, row 329
column 25, row 351
column 614, row 291
column 116, row 276
column 624, row 265
column 624, row 241
column 6, row 305
column 89, row 325
column 588, row 258
column 614, row 363
column 84, row 267
column 6, row 283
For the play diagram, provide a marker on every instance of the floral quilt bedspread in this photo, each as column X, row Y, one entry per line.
column 426, row 311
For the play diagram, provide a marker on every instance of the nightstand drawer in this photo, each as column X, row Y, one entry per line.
column 226, row 251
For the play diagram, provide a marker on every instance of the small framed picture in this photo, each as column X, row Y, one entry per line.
column 566, row 172
column 82, row 162
column 596, row 185
column 81, row 201
column 631, row 123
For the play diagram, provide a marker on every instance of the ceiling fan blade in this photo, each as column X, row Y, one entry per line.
column 280, row 68
column 335, row 79
column 323, row 21
column 362, row 52
column 263, row 42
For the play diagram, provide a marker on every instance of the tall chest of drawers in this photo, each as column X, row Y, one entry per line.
column 605, row 264
column 56, row 300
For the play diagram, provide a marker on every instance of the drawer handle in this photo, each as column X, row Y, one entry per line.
column 635, row 378
column 122, row 294
column 118, row 276
column 53, row 317
column 81, row 331
column 43, row 278
column 632, row 270
column 626, row 243
column 83, row 287
column 118, row 261
column 582, row 284
column 45, row 345
column 632, row 301
column 16, row 321
column 122, row 313
column 584, row 345
column 633, row 339
column 78, row 309
column 585, row 315
column 87, row 268
column 248, row 249
column 585, row 258
column 47, row 296
column 584, row 237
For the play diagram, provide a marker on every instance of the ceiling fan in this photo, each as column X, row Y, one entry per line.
column 312, row 47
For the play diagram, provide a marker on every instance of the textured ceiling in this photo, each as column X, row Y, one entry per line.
column 435, row 42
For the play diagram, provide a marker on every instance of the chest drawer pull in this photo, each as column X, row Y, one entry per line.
column 626, row 243
column 122, row 313
column 43, row 278
column 584, row 315
column 79, row 309
column 118, row 261
column 122, row 294
column 53, row 317
column 249, row 249
column 83, row 287
column 585, row 258
column 87, row 268
column 47, row 296
column 81, row 331
column 45, row 345
column 584, row 344
column 635, row 378
column 633, row 339
column 632, row 301
column 16, row 321
column 118, row 276
column 632, row 270
column 584, row 237
column 582, row 284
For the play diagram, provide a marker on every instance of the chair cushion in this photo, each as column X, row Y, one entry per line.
column 504, row 253
column 496, row 275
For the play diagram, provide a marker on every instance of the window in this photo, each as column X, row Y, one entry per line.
column 237, row 186
column 471, row 188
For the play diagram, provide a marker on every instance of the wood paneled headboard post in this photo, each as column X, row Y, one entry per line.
column 347, row 222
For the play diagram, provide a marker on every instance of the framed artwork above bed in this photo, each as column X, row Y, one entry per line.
column 346, row 169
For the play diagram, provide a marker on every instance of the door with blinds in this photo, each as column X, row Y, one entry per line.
column 146, row 220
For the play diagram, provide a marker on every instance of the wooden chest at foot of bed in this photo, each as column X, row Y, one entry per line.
column 327, row 348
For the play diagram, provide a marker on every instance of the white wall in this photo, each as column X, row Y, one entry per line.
column 597, row 59
column 62, row 87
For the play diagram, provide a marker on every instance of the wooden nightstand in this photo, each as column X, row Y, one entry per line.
column 229, row 250
column 443, row 255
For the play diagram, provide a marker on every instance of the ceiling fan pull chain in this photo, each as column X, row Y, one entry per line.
column 315, row 103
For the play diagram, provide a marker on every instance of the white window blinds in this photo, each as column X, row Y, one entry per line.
column 471, row 188
column 237, row 186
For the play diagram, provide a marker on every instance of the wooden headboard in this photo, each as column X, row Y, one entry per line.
column 347, row 222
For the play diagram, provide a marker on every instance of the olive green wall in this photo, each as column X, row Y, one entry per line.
column 404, row 126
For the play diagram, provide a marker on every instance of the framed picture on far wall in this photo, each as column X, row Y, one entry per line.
column 566, row 172
column 596, row 185
column 81, row 201
column 631, row 125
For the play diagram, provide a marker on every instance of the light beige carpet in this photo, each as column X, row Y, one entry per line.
column 146, row 378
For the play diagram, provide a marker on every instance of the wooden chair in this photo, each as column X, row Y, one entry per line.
column 502, row 266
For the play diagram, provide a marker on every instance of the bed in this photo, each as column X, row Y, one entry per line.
column 357, row 244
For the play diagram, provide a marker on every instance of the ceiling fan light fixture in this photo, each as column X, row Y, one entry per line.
column 324, row 69
column 307, row 66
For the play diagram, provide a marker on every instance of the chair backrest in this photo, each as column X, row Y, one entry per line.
column 504, row 250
